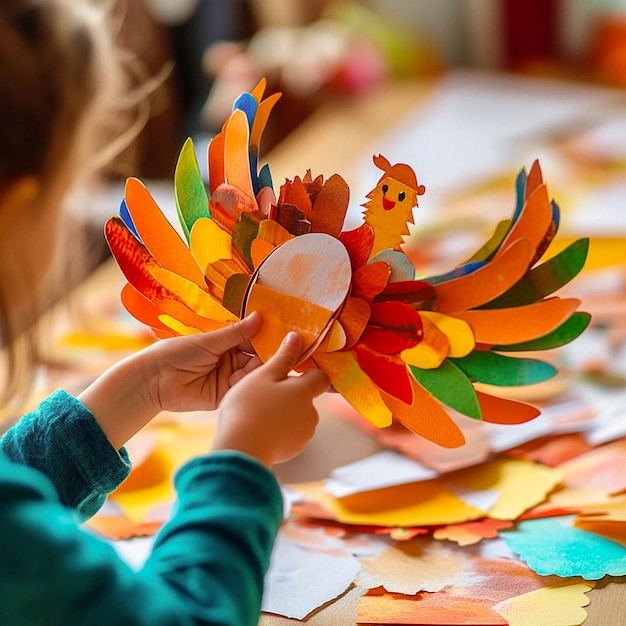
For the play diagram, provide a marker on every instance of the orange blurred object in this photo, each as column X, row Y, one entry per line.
column 607, row 53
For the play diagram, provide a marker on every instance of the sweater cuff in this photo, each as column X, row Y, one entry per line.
column 102, row 466
column 230, row 465
column 63, row 440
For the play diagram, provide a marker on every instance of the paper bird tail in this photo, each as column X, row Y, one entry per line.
column 507, row 301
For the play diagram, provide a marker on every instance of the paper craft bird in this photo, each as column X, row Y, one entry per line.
column 393, row 346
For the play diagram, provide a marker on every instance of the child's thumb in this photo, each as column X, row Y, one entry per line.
column 237, row 334
column 287, row 355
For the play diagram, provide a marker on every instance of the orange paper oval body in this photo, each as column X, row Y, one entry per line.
column 299, row 287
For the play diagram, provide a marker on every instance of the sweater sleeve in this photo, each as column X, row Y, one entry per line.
column 207, row 565
column 221, row 537
column 63, row 440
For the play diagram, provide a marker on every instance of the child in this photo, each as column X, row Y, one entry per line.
column 60, row 461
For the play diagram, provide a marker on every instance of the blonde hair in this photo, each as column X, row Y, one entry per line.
column 61, row 85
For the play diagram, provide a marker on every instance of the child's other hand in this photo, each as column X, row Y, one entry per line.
column 270, row 415
column 179, row 374
column 194, row 372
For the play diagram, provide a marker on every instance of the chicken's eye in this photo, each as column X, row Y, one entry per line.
column 401, row 196
column 385, row 188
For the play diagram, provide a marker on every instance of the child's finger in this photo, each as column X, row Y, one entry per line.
column 316, row 381
column 222, row 340
column 286, row 357
column 244, row 370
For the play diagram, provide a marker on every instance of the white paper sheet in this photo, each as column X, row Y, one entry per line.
column 300, row 581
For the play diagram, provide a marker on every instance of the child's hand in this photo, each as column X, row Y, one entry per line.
column 270, row 415
column 179, row 374
column 194, row 372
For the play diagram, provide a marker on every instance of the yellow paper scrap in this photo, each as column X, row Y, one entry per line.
column 425, row 503
column 560, row 605
column 150, row 484
column 520, row 484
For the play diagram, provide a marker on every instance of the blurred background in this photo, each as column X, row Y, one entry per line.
column 320, row 50
column 465, row 91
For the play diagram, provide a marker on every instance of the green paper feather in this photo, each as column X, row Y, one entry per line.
column 504, row 371
column 450, row 386
column 192, row 201
column 566, row 332
column 545, row 278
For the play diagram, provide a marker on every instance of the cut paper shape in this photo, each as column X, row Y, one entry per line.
column 389, row 209
column 192, row 202
column 383, row 469
column 387, row 371
column 451, row 386
column 605, row 519
column 487, row 282
column 431, row 351
column 560, row 605
column 401, row 267
column 496, row 369
column 503, row 411
column 553, row 546
column 472, row 532
column 393, row 327
column 458, row 333
column 523, row 323
column 521, row 484
column 425, row 503
column 158, row 235
column 378, row 607
column 334, row 613
column 413, row 566
column 353, row 318
column 431, row 421
column 546, row 278
column 606, row 512
column 600, row 469
column 150, row 483
column 136, row 264
column 287, row 256
column 478, row 584
column 208, row 242
column 369, row 280
column 566, row 332
column 535, row 221
column 566, row 501
column 355, row 386
column 552, row 450
column 299, row 581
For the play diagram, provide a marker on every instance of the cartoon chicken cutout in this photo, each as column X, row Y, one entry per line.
column 389, row 209
column 393, row 346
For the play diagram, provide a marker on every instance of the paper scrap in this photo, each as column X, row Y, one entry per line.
column 384, row 469
column 554, row 546
column 299, row 581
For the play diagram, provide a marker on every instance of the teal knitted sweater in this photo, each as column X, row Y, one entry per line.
column 208, row 562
